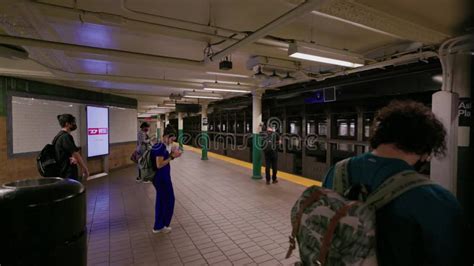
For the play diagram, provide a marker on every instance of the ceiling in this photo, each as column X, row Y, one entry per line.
column 149, row 49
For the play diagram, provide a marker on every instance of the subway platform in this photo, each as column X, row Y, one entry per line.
column 222, row 217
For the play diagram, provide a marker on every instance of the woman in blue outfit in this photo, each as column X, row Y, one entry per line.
column 162, row 154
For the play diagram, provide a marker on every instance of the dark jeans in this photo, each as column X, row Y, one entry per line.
column 271, row 160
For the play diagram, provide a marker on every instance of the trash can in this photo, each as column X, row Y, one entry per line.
column 43, row 222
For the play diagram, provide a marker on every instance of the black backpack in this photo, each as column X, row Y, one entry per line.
column 269, row 142
column 46, row 160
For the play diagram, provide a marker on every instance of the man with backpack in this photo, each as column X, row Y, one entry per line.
column 67, row 154
column 270, row 150
column 143, row 144
column 415, row 221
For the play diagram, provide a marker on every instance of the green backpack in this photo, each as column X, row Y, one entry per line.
column 332, row 230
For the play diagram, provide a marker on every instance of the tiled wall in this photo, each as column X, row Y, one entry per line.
column 25, row 167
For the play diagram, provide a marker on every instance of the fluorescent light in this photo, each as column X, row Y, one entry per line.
column 324, row 60
column 203, row 97
column 226, row 90
column 154, row 112
column 438, row 78
column 170, row 104
column 313, row 52
column 227, row 74
column 226, row 87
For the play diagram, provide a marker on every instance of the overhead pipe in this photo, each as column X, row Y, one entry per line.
column 50, row 73
column 175, row 20
column 23, row 41
column 7, row 39
column 258, row 36
column 264, row 41
column 444, row 50
column 128, row 20
column 404, row 59
column 400, row 60
column 286, row 18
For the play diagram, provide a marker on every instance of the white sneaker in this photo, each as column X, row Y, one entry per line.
column 164, row 230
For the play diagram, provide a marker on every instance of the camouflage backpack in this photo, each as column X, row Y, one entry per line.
column 332, row 230
column 146, row 168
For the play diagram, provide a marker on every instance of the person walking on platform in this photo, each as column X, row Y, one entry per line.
column 143, row 143
column 67, row 153
column 162, row 154
column 271, row 141
column 425, row 225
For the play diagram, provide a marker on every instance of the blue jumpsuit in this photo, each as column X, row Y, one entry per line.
column 164, row 206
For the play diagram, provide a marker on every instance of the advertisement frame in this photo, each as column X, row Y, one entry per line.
column 108, row 130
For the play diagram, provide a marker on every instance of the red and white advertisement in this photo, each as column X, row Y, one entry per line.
column 97, row 131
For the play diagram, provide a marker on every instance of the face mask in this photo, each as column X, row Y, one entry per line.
column 145, row 129
column 421, row 166
column 73, row 127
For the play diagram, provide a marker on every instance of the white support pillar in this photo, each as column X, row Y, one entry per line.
column 180, row 121
column 180, row 129
column 204, row 141
column 167, row 116
column 163, row 125
column 444, row 170
column 158, row 128
column 256, row 112
column 204, row 123
column 448, row 105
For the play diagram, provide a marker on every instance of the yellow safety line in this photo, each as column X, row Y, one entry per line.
column 283, row 175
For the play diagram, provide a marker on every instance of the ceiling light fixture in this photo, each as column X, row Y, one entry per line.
column 314, row 52
column 156, row 111
column 227, row 74
column 226, row 90
column 438, row 78
column 203, row 95
column 226, row 87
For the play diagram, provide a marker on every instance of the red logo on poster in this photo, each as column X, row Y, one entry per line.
column 97, row 131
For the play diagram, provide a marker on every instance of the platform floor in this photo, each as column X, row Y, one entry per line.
column 222, row 217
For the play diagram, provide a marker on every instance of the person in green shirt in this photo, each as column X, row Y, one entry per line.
column 426, row 225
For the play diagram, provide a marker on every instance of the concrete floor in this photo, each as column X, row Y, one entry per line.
column 222, row 217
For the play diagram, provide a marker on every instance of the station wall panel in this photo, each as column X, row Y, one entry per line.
column 32, row 123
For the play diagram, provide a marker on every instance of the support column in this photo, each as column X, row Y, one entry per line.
column 443, row 171
column 329, row 130
column 359, row 149
column 204, row 135
column 462, row 84
column 158, row 127
column 167, row 120
column 163, row 125
column 453, row 106
column 180, row 129
column 256, row 145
